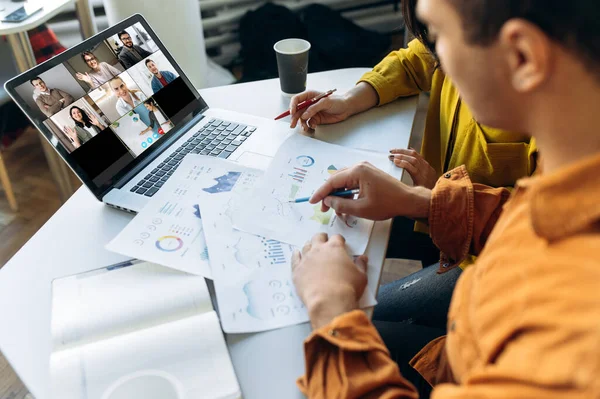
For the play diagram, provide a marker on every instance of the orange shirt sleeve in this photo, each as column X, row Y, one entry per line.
column 462, row 214
column 348, row 359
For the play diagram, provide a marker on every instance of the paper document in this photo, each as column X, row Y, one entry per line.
column 300, row 167
column 252, row 274
column 168, row 231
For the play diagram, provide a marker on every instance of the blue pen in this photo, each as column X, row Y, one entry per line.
column 335, row 194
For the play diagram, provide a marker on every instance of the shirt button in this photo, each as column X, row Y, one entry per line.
column 333, row 333
column 448, row 175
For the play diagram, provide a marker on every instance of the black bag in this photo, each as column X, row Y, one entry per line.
column 335, row 41
column 259, row 31
column 340, row 43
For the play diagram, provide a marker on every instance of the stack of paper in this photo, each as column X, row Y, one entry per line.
column 237, row 226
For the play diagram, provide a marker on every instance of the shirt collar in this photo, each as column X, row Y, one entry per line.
column 566, row 201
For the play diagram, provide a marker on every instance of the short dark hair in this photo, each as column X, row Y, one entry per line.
column 36, row 78
column 575, row 24
column 149, row 61
column 151, row 102
column 123, row 32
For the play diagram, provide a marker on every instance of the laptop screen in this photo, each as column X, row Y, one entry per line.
column 108, row 105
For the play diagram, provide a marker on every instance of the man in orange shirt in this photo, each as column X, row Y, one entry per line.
column 524, row 321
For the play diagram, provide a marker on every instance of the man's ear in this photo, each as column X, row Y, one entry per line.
column 528, row 52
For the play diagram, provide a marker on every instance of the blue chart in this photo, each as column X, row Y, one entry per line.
column 305, row 160
column 204, row 254
column 298, row 174
column 274, row 252
column 224, row 183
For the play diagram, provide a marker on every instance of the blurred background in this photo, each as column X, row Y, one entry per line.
column 216, row 42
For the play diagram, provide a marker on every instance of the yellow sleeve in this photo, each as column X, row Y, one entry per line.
column 402, row 73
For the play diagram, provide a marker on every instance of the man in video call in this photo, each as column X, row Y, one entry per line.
column 160, row 78
column 130, row 54
column 50, row 101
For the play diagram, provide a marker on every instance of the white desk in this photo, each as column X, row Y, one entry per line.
column 73, row 241
column 25, row 59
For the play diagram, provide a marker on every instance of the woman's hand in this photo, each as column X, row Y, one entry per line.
column 72, row 134
column 146, row 130
column 328, row 110
column 328, row 282
column 419, row 169
column 94, row 121
column 381, row 196
column 84, row 77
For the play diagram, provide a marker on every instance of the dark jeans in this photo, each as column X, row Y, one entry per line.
column 412, row 312
column 404, row 341
column 405, row 243
column 422, row 298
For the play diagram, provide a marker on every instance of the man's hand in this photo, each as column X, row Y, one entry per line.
column 381, row 196
column 327, row 280
column 419, row 169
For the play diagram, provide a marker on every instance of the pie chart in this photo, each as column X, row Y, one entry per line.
column 305, row 160
column 169, row 243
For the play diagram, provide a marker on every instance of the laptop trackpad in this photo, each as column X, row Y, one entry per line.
column 254, row 160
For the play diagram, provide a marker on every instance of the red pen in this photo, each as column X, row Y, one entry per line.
column 306, row 103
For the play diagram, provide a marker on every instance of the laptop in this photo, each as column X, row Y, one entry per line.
column 122, row 114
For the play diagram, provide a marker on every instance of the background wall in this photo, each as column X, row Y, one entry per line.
column 60, row 135
column 56, row 78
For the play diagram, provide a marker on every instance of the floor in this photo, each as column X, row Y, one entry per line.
column 38, row 199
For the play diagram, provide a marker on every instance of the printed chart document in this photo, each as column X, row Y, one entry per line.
column 252, row 274
column 137, row 330
column 168, row 231
column 300, row 167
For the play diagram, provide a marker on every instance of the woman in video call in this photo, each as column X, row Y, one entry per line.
column 157, row 119
column 99, row 72
column 127, row 99
column 86, row 126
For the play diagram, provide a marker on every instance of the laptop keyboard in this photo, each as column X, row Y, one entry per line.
column 216, row 138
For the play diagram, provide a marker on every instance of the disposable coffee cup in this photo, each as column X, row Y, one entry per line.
column 292, row 64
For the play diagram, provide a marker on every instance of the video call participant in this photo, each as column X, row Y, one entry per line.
column 86, row 126
column 50, row 101
column 157, row 119
column 127, row 99
column 99, row 72
column 160, row 78
column 131, row 54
